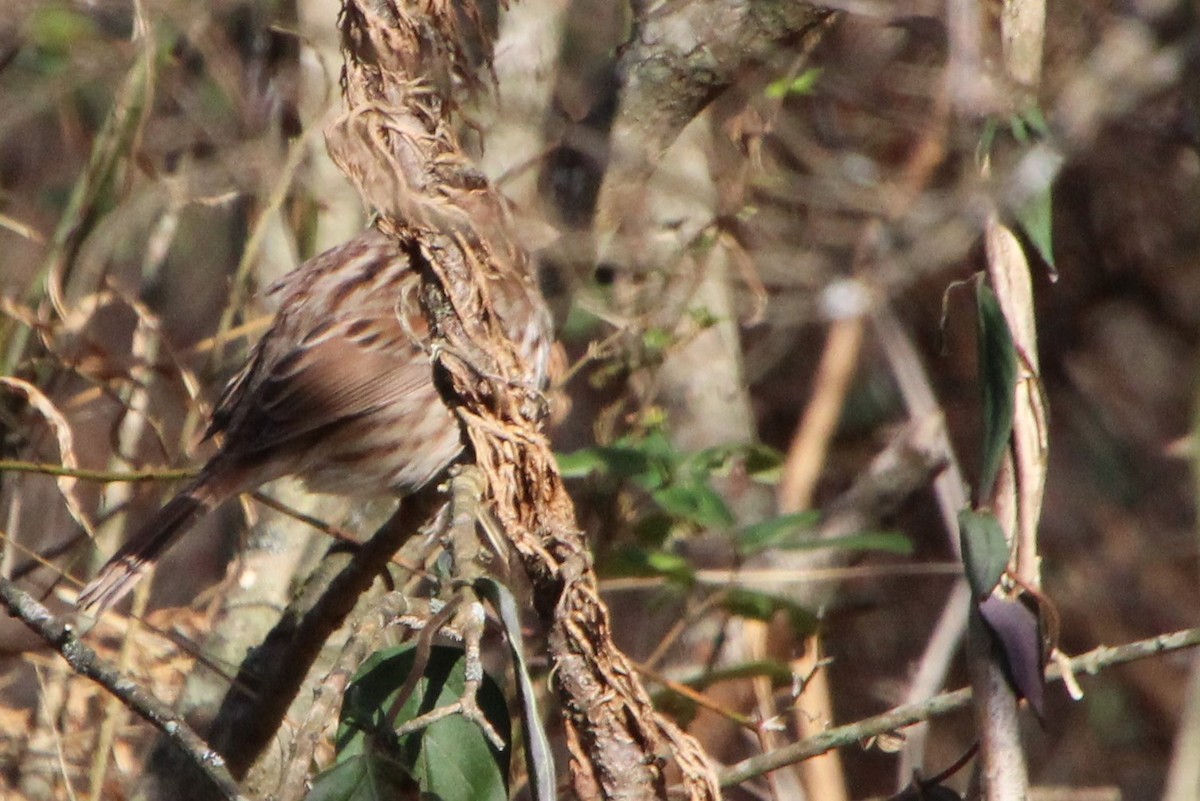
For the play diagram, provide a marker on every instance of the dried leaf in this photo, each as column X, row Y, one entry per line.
column 67, row 485
column 539, row 757
column 1009, row 273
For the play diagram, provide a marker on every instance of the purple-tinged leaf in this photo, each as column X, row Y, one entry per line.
column 1016, row 632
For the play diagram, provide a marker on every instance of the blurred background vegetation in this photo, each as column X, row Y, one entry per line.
column 162, row 161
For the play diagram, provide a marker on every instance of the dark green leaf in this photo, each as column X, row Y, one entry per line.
column 1020, row 130
column 985, row 550
column 702, row 316
column 539, row 758
column 762, row 606
column 773, row 532
column 997, row 380
column 887, row 541
column 1035, row 121
column 581, row 325
column 696, row 502
column 650, row 562
column 986, row 139
column 791, row 532
column 456, row 763
column 1035, row 216
column 763, row 463
column 450, row 758
column 367, row 776
column 608, row 460
column 756, row 460
column 654, row 528
column 649, row 460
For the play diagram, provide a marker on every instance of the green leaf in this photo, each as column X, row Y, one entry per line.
column 756, row 460
column 1019, row 128
column 653, row 529
column 997, row 381
column 763, row 606
column 649, row 460
column 451, row 758
column 763, row 463
column 1035, row 215
column 656, row 340
column 1035, row 121
column 696, row 502
column 619, row 462
column 773, row 532
column 887, row 541
column 647, row 562
column 802, row 84
column 790, row 532
column 58, row 28
column 539, row 757
column 985, row 550
column 581, row 325
column 371, row 775
column 987, row 138
column 1035, row 218
column 703, row 318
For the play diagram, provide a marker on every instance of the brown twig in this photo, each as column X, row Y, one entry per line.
column 1092, row 662
column 60, row 636
column 271, row 674
column 364, row 637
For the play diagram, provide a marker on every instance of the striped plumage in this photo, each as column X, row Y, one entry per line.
column 337, row 392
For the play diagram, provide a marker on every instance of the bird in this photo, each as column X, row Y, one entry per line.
column 339, row 392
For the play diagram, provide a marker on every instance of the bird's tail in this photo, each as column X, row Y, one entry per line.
column 138, row 554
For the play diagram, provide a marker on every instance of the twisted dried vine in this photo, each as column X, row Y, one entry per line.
column 396, row 144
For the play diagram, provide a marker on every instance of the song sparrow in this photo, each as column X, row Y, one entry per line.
column 337, row 392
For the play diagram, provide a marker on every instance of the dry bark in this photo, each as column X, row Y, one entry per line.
column 396, row 144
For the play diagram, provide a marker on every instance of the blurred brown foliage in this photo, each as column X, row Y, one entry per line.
column 128, row 290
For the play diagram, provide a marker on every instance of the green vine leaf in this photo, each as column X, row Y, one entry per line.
column 997, row 381
column 985, row 550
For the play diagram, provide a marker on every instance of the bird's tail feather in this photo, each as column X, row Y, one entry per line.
column 122, row 571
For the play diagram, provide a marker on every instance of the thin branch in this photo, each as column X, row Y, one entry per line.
column 273, row 672
column 1092, row 662
column 150, row 474
column 364, row 638
column 60, row 636
column 912, row 379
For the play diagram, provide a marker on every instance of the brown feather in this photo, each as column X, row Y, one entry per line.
column 339, row 392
